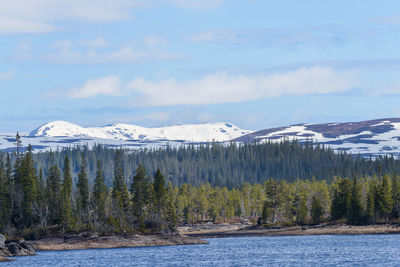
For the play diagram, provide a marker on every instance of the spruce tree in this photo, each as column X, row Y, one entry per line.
column 120, row 192
column 171, row 210
column 140, row 193
column 395, row 196
column 159, row 192
column 385, row 198
column 53, row 191
column 371, row 200
column 29, row 183
column 316, row 210
column 82, row 187
column 66, row 194
column 302, row 212
column 99, row 194
column 356, row 210
column 3, row 193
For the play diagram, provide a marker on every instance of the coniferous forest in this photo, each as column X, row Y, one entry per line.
column 120, row 191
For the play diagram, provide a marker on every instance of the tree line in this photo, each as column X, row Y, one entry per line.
column 48, row 195
column 227, row 165
column 31, row 201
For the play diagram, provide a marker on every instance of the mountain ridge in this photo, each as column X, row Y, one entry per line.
column 370, row 137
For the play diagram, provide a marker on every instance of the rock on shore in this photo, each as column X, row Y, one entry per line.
column 15, row 248
column 93, row 241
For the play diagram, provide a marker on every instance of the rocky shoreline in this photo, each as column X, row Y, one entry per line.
column 15, row 248
column 323, row 229
column 90, row 241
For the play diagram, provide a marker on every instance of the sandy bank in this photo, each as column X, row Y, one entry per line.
column 340, row 229
column 95, row 242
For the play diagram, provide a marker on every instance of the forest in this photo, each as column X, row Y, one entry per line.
column 64, row 191
column 226, row 165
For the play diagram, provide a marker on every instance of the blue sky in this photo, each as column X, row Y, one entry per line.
column 254, row 63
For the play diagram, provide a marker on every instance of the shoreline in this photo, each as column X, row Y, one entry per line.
column 94, row 241
column 249, row 231
column 77, row 242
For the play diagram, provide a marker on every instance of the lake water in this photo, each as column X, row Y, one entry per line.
column 327, row 250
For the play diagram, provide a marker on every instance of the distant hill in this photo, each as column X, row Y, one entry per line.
column 375, row 137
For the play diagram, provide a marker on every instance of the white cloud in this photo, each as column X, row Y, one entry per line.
column 154, row 41
column 96, row 42
column 198, row 4
column 39, row 16
column 67, row 53
column 224, row 88
column 6, row 75
column 16, row 25
column 109, row 85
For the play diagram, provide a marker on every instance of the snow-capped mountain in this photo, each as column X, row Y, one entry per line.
column 372, row 137
column 381, row 136
column 205, row 132
column 59, row 134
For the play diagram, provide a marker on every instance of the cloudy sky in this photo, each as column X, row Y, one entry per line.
column 255, row 63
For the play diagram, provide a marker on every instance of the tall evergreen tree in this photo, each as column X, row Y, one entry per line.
column 29, row 183
column 66, row 194
column 356, row 209
column 371, row 200
column 341, row 200
column 3, row 193
column 302, row 212
column 120, row 192
column 99, row 194
column 82, row 187
column 53, row 191
column 385, row 197
column 395, row 196
column 140, row 193
column 316, row 210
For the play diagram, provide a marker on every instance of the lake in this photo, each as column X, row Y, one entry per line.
column 327, row 250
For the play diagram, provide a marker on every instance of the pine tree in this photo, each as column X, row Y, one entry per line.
column 29, row 183
column 159, row 192
column 82, row 187
column 385, row 198
column 395, row 196
column 371, row 199
column 171, row 210
column 265, row 212
column 302, row 212
column 140, row 193
column 341, row 200
column 66, row 194
column 120, row 192
column 356, row 210
column 316, row 210
column 3, row 193
column 99, row 194
column 53, row 191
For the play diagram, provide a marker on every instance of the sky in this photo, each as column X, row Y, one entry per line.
column 255, row 63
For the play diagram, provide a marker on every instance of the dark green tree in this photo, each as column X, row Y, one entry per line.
column 395, row 196
column 120, row 192
column 159, row 191
column 82, row 187
column 316, row 210
column 66, row 194
column 341, row 200
column 99, row 194
column 53, row 191
column 356, row 209
column 385, row 198
column 140, row 193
